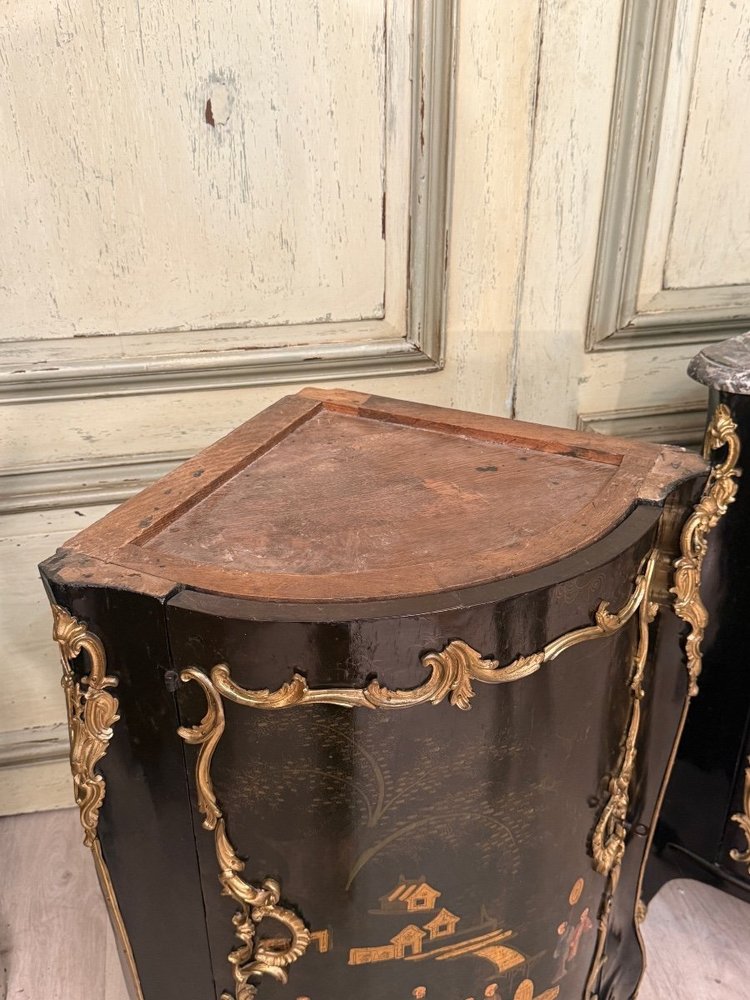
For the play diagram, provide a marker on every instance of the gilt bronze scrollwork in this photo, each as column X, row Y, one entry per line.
column 719, row 492
column 717, row 495
column 451, row 673
column 608, row 839
column 92, row 712
column 742, row 819
column 252, row 958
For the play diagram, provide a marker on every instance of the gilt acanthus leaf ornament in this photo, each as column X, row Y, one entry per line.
column 743, row 821
column 92, row 712
column 452, row 674
column 718, row 494
column 608, row 840
column 451, row 671
column 610, row 832
column 253, row 958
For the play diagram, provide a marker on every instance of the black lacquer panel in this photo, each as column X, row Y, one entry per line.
column 695, row 834
column 145, row 826
column 487, row 814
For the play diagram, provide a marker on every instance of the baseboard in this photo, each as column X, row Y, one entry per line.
column 28, row 788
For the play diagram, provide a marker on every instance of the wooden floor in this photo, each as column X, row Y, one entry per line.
column 56, row 944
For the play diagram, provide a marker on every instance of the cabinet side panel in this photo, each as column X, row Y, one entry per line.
column 145, row 824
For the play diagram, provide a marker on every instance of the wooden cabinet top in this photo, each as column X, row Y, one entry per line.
column 339, row 496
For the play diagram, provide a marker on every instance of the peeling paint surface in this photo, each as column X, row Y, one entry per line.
column 215, row 163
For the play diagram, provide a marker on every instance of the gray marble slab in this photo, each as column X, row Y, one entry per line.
column 724, row 366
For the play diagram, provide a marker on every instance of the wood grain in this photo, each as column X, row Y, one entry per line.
column 696, row 944
column 56, row 942
column 329, row 496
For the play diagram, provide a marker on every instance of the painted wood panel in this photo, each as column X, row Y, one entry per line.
column 215, row 164
column 233, row 186
column 34, row 772
column 602, row 340
column 31, row 672
column 574, row 93
column 709, row 240
column 672, row 261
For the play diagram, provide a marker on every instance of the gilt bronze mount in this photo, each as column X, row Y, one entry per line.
column 92, row 712
column 451, row 674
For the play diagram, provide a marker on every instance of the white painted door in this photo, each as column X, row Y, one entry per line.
column 529, row 207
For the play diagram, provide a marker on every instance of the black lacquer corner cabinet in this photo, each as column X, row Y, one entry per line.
column 376, row 700
column 704, row 829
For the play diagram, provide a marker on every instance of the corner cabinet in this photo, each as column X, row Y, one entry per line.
column 712, row 765
column 375, row 699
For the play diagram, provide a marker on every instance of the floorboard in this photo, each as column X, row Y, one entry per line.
column 697, row 943
column 54, row 928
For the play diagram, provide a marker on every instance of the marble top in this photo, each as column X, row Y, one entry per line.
column 724, row 366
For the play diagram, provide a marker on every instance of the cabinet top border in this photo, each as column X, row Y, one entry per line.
column 334, row 496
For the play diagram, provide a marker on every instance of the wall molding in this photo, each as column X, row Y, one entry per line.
column 616, row 321
column 35, row 770
column 69, row 368
column 66, row 485
column 213, row 370
column 680, row 424
column 36, row 745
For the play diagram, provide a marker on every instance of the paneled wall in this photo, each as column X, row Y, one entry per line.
column 641, row 105
column 535, row 208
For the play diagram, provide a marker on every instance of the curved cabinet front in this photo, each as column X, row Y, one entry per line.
column 440, row 798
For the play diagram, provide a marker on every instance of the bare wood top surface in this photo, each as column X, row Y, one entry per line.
column 336, row 496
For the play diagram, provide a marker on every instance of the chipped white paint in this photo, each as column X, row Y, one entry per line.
column 143, row 215
column 34, row 773
column 575, row 86
column 46, row 444
column 678, row 44
column 249, row 242
column 709, row 241
column 219, row 104
column 35, row 787
column 612, row 120
column 31, row 669
column 673, row 235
